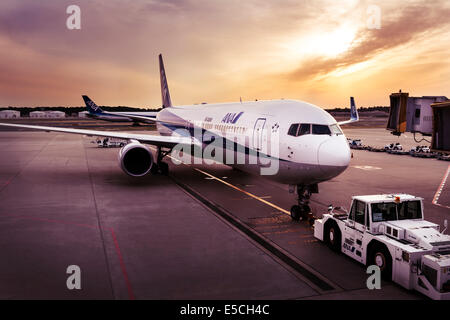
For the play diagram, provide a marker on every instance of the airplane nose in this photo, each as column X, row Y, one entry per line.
column 333, row 156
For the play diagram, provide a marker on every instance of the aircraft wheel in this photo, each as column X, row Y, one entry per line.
column 306, row 210
column 154, row 169
column 296, row 212
column 164, row 168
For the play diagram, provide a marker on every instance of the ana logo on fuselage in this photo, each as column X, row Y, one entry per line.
column 232, row 117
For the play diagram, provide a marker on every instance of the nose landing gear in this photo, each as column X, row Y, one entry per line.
column 302, row 211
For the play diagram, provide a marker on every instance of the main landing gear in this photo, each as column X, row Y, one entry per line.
column 160, row 166
column 302, row 211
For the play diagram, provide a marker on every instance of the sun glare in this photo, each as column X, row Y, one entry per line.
column 328, row 44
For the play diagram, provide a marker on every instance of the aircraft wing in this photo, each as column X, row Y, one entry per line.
column 354, row 116
column 157, row 140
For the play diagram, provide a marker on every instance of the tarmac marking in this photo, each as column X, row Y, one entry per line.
column 122, row 265
column 101, row 229
column 367, row 168
column 7, row 182
column 211, row 177
column 248, row 198
column 439, row 190
column 26, row 165
column 251, row 195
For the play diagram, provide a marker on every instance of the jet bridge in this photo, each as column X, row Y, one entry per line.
column 412, row 114
column 441, row 127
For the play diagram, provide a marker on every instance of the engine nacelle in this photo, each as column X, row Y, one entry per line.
column 135, row 159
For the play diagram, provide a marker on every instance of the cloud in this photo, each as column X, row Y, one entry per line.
column 411, row 24
column 214, row 50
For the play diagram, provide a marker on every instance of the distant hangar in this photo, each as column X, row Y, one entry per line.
column 9, row 114
column 47, row 114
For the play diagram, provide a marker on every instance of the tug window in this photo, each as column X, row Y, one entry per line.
column 293, row 130
column 320, row 129
column 409, row 210
column 358, row 212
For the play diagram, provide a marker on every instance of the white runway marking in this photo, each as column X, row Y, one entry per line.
column 251, row 195
column 439, row 190
column 367, row 168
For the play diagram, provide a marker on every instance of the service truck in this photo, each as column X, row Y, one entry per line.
column 389, row 231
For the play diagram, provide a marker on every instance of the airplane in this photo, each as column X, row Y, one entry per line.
column 305, row 142
column 96, row 112
column 136, row 117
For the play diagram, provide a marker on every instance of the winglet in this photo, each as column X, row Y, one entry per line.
column 166, row 101
column 354, row 116
column 91, row 106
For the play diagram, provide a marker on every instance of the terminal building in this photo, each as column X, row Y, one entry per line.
column 9, row 114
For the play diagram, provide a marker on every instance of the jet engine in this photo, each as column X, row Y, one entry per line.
column 135, row 159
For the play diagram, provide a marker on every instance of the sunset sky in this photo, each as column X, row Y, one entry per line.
column 320, row 51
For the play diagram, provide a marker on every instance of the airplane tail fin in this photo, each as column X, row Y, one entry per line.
column 91, row 106
column 166, row 101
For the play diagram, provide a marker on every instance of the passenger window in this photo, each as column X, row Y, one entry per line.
column 304, row 129
column 320, row 129
column 293, row 130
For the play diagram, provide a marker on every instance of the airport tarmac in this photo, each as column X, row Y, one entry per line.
column 64, row 201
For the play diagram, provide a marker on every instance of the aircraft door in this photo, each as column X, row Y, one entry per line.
column 258, row 131
column 354, row 230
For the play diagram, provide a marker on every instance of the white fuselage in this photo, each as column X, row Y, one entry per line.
column 261, row 128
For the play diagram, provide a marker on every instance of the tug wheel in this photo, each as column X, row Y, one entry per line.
column 333, row 237
column 381, row 257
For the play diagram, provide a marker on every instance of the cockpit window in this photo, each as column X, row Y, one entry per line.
column 335, row 129
column 320, row 129
column 304, row 129
column 293, row 130
column 301, row 129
